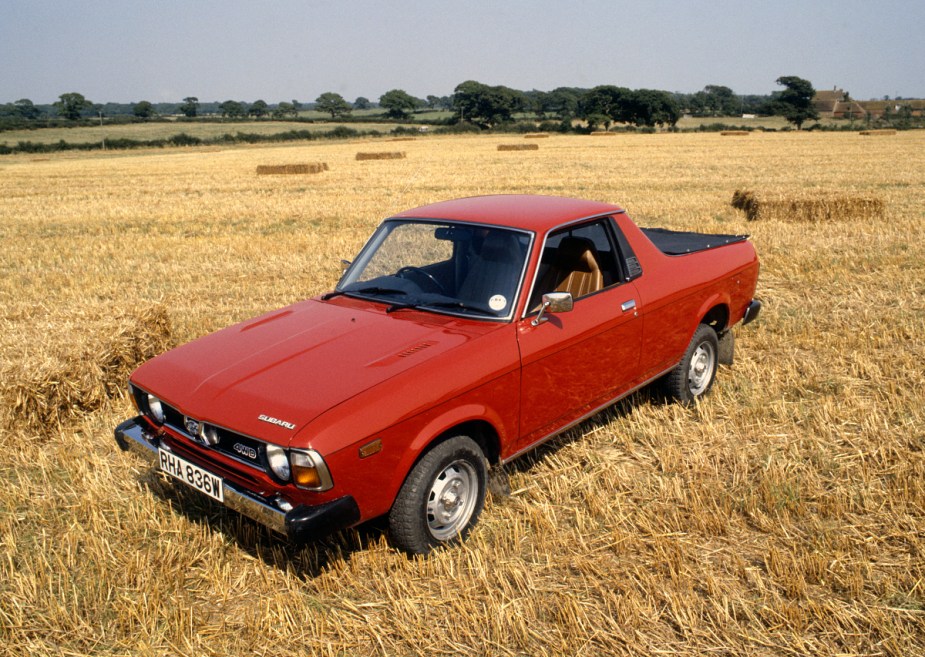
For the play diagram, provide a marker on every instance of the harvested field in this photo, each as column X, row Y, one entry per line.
column 784, row 515
column 79, row 364
column 291, row 169
column 381, row 155
column 812, row 206
column 518, row 147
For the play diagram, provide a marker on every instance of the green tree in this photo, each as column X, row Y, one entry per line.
column 143, row 109
column 398, row 103
column 283, row 110
column 795, row 102
column 72, row 105
column 332, row 103
column 605, row 104
column 27, row 109
column 715, row 100
column 259, row 109
column 190, row 106
column 232, row 109
column 651, row 107
column 362, row 103
column 486, row 106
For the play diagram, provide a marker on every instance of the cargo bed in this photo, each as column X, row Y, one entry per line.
column 676, row 242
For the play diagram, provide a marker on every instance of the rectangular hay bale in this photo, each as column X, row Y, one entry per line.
column 86, row 361
column 381, row 155
column 734, row 133
column 807, row 206
column 536, row 135
column 289, row 169
column 877, row 133
column 518, row 147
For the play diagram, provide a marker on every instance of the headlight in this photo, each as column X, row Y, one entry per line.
column 209, row 434
column 156, row 409
column 279, row 463
column 309, row 470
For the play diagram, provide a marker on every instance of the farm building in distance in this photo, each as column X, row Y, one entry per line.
column 837, row 104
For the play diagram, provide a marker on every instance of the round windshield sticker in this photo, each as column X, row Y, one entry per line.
column 497, row 302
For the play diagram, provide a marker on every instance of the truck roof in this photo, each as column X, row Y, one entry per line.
column 528, row 211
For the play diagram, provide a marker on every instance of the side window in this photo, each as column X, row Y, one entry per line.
column 580, row 259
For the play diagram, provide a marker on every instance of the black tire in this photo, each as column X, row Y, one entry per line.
column 442, row 497
column 694, row 375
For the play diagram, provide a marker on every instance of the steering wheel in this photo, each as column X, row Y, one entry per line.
column 425, row 274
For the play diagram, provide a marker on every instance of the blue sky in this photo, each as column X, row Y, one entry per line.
column 127, row 50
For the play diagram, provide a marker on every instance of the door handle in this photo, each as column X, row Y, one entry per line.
column 628, row 305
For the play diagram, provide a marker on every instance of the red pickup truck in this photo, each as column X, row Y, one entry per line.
column 464, row 334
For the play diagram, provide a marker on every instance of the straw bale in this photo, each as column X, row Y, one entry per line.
column 603, row 133
column 536, row 135
column 518, row 147
column 812, row 206
column 401, row 139
column 382, row 155
column 289, row 169
column 877, row 133
column 84, row 360
column 734, row 133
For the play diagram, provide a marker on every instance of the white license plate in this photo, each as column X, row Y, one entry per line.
column 192, row 475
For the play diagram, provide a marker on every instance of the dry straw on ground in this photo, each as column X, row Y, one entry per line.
column 811, row 206
column 401, row 139
column 877, row 133
column 518, row 147
column 734, row 133
column 81, row 361
column 291, row 169
column 381, row 155
column 783, row 515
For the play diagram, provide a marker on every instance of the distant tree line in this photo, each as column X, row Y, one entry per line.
column 472, row 103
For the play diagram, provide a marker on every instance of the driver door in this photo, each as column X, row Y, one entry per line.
column 575, row 362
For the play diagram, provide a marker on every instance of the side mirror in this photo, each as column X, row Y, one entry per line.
column 553, row 302
column 344, row 265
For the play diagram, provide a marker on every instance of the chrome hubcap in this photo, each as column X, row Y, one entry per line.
column 703, row 362
column 451, row 500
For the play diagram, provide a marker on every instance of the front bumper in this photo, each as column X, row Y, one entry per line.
column 300, row 523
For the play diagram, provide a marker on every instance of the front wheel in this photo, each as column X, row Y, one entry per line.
column 442, row 497
column 694, row 375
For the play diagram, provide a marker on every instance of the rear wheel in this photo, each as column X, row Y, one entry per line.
column 442, row 497
column 694, row 375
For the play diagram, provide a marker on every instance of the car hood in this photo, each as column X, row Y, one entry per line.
column 270, row 376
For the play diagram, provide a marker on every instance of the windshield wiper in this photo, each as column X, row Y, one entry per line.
column 375, row 289
column 402, row 306
column 462, row 305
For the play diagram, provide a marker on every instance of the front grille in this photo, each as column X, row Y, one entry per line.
column 243, row 449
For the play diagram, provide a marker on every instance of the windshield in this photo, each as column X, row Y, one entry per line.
column 455, row 268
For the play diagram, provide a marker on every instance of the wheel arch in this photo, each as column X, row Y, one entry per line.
column 715, row 314
column 474, row 421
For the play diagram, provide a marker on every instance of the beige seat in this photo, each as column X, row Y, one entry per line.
column 574, row 269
